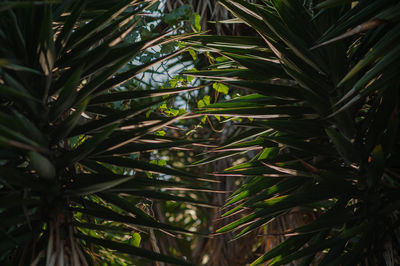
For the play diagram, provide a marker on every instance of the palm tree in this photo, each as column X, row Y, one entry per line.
column 72, row 186
column 324, row 117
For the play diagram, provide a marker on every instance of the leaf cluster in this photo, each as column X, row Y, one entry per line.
column 324, row 98
column 72, row 181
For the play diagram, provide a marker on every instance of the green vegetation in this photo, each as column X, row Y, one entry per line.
column 309, row 100
column 72, row 183
column 325, row 107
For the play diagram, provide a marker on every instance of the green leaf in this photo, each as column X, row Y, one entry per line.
column 221, row 88
column 160, row 133
column 193, row 54
column 195, row 20
column 135, row 240
column 159, row 162
column 204, row 102
column 42, row 165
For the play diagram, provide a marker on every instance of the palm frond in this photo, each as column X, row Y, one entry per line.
column 72, row 184
column 325, row 120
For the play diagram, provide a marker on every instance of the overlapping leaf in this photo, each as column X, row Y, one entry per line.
column 67, row 148
column 325, row 102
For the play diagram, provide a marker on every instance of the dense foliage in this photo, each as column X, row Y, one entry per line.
column 73, row 184
column 325, row 97
column 312, row 121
